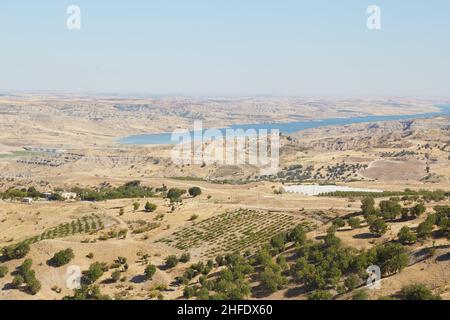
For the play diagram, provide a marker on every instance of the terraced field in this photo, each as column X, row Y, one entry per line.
column 239, row 230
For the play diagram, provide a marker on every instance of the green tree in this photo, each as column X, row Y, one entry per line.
column 391, row 258
column 3, row 271
column 320, row 295
column 149, row 272
column 61, row 258
column 378, row 227
column 405, row 236
column 298, row 235
column 195, row 191
column 352, row 282
column 94, row 272
column 136, row 206
column 150, row 207
column 171, row 261
column 368, row 206
column 424, row 229
column 272, row 281
column 185, row 257
column 418, row 210
column 390, row 209
column 174, row 194
column 339, row 223
column 33, row 286
column 354, row 223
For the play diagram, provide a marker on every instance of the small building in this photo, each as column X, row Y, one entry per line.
column 27, row 200
column 68, row 195
column 47, row 195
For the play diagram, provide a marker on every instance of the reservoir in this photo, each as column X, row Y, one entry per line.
column 288, row 127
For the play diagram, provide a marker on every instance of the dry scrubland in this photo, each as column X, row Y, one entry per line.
column 72, row 142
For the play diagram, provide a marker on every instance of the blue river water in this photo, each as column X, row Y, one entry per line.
column 286, row 127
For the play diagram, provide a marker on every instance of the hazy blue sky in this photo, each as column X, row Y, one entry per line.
column 227, row 47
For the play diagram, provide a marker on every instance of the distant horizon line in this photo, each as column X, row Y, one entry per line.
column 216, row 95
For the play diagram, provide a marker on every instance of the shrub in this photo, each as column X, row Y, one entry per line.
column 185, row 257
column 115, row 276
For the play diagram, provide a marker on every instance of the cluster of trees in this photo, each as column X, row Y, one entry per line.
column 129, row 190
column 61, row 258
column 16, row 251
column 172, row 260
column 194, row 270
column 417, row 291
column 31, row 192
column 88, row 293
column 26, row 276
column 230, row 284
column 440, row 218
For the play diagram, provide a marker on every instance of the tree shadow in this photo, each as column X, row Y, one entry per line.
column 8, row 286
column 365, row 235
column 138, row 279
column 444, row 257
column 295, row 292
column 260, row 292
